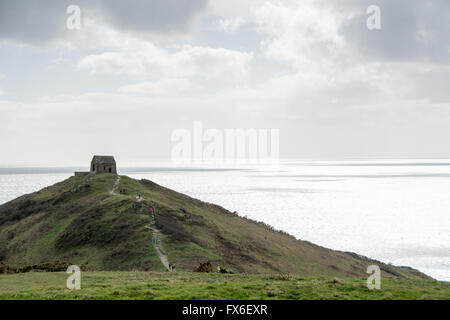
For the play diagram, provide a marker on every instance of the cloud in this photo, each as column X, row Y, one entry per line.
column 309, row 68
column 144, row 59
column 32, row 21
column 332, row 52
column 143, row 16
column 164, row 87
column 142, row 123
column 305, row 35
column 41, row 22
column 298, row 32
column 230, row 25
column 2, row 76
column 410, row 30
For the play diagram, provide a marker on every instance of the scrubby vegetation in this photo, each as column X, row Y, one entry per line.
column 54, row 266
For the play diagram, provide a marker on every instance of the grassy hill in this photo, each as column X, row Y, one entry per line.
column 81, row 221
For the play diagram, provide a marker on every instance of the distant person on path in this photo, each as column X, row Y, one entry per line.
column 154, row 240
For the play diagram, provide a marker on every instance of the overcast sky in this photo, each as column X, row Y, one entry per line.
column 138, row 70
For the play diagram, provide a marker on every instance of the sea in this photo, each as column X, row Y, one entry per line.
column 393, row 210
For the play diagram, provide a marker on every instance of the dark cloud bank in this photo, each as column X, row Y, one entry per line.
column 37, row 22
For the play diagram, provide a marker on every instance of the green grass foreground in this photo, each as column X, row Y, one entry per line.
column 213, row 286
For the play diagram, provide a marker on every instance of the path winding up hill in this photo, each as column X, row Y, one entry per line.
column 86, row 221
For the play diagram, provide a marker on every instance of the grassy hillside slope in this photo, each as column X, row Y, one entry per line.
column 78, row 220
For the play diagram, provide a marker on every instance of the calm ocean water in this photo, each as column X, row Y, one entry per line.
column 392, row 210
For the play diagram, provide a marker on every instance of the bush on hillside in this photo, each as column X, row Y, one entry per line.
column 204, row 267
